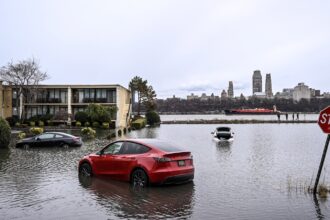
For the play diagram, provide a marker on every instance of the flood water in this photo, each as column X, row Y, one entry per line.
column 263, row 174
column 291, row 116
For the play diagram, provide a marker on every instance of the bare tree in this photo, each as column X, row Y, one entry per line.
column 24, row 76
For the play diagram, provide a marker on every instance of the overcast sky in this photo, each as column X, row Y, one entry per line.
column 179, row 46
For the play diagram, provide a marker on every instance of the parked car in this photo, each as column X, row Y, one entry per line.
column 223, row 134
column 141, row 162
column 48, row 139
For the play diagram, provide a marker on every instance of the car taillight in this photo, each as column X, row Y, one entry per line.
column 162, row 159
column 76, row 139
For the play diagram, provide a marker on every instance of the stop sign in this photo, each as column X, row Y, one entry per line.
column 324, row 120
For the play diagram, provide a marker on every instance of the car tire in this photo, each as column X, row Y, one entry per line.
column 65, row 146
column 139, row 178
column 26, row 146
column 85, row 169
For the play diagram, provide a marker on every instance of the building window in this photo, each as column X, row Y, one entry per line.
column 111, row 96
column 80, row 96
column 15, row 111
column 64, row 95
column 14, row 94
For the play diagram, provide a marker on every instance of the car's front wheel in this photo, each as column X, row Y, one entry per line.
column 85, row 169
column 139, row 178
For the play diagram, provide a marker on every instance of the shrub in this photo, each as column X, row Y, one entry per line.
column 78, row 123
column 12, row 120
column 139, row 123
column 96, row 124
column 17, row 124
column 36, row 130
column 99, row 113
column 4, row 133
column 81, row 116
column 46, row 118
column 152, row 118
column 111, row 135
column 32, row 123
column 50, row 123
column 34, row 118
column 105, row 125
column 88, row 132
column 21, row 135
column 87, row 124
column 41, row 123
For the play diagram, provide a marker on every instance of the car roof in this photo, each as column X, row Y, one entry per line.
column 157, row 143
column 60, row 133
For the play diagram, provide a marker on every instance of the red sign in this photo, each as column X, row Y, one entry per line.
column 324, row 120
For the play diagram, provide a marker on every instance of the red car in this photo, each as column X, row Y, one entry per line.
column 141, row 162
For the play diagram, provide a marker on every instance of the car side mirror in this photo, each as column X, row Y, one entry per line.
column 37, row 139
column 100, row 153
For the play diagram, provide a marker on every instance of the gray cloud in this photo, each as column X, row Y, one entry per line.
column 178, row 46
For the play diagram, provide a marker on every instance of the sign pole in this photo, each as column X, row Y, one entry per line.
column 321, row 164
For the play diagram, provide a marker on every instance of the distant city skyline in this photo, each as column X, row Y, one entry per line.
column 179, row 47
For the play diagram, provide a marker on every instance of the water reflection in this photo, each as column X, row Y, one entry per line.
column 4, row 156
column 125, row 201
column 224, row 148
column 319, row 214
column 150, row 132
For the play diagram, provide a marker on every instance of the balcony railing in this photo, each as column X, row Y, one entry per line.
column 49, row 100
column 91, row 100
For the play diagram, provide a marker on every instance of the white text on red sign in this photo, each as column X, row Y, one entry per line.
column 325, row 118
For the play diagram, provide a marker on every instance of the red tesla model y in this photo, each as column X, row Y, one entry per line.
column 141, row 162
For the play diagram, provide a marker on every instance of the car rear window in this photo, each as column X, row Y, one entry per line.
column 223, row 129
column 167, row 147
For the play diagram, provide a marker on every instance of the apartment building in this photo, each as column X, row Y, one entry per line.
column 68, row 99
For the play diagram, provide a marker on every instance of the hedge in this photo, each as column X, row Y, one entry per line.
column 139, row 123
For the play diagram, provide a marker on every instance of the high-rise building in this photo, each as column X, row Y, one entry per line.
column 301, row 91
column 268, row 86
column 230, row 90
column 256, row 82
column 224, row 94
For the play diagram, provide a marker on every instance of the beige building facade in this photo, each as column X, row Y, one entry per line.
column 5, row 101
column 66, row 99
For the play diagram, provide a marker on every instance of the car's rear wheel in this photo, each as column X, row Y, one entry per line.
column 85, row 169
column 26, row 146
column 65, row 146
column 139, row 178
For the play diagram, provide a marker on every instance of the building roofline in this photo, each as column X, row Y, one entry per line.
column 78, row 86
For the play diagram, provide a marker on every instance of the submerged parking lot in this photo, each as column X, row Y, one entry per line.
column 263, row 173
